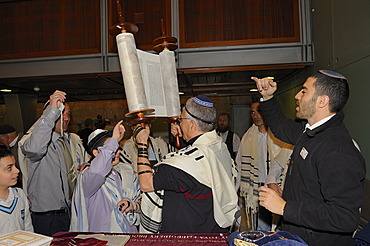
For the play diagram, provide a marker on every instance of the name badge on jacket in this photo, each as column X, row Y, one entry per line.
column 303, row 153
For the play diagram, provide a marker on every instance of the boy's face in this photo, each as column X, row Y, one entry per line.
column 116, row 157
column 115, row 160
column 8, row 172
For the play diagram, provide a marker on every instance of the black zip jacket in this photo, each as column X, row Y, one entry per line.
column 323, row 187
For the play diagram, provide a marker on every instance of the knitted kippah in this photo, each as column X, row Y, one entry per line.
column 203, row 101
column 332, row 74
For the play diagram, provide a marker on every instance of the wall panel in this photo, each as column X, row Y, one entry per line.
column 237, row 22
column 147, row 15
column 42, row 28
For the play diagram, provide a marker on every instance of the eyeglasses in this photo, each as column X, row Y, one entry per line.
column 182, row 118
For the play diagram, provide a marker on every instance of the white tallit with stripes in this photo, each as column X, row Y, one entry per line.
column 209, row 162
column 130, row 189
column 247, row 162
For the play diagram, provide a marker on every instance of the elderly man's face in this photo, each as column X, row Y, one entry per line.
column 185, row 125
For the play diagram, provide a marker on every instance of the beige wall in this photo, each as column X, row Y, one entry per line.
column 114, row 110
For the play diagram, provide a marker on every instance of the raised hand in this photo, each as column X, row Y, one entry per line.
column 141, row 134
column 266, row 87
column 119, row 131
column 57, row 98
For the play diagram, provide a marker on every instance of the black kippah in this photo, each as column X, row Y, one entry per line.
column 5, row 129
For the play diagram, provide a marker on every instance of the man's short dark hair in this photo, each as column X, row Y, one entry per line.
column 335, row 88
column 5, row 152
column 6, row 129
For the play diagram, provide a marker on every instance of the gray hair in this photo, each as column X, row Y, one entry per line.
column 203, row 116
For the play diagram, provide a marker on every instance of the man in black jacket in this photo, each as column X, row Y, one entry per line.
column 323, row 188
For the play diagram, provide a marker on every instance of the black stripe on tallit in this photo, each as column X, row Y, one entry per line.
column 125, row 159
column 149, row 224
column 151, row 200
column 191, row 151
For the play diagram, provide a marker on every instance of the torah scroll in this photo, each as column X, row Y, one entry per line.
column 131, row 74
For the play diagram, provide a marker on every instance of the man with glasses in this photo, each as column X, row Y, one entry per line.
column 198, row 180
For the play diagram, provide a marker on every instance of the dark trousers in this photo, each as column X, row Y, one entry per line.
column 49, row 224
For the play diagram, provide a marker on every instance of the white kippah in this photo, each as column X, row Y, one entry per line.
column 94, row 134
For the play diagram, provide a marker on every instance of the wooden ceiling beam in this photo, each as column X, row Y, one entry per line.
column 244, row 68
column 218, row 88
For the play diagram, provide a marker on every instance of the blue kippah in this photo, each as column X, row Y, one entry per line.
column 203, row 101
column 332, row 74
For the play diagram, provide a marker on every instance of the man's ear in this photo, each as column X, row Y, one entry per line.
column 193, row 126
column 95, row 152
column 323, row 101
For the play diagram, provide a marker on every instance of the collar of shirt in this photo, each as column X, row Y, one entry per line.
column 319, row 123
column 10, row 196
column 14, row 141
column 191, row 141
column 56, row 136
column 223, row 133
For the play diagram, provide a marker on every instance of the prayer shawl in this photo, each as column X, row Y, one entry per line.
column 283, row 159
column 129, row 191
column 209, row 162
column 247, row 161
column 151, row 202
column 78, row 153
column 151, row 212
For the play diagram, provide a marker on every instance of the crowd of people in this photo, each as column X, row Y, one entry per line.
column 304, row 177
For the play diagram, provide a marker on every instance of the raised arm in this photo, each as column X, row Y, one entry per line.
column 36, row 145
column 145, row 172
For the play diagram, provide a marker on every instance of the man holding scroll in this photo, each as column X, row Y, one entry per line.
column 198, row 181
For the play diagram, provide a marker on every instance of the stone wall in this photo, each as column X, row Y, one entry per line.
column 114, row 110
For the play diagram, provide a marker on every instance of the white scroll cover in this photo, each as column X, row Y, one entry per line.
column 130, row 68
column 170, row 83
